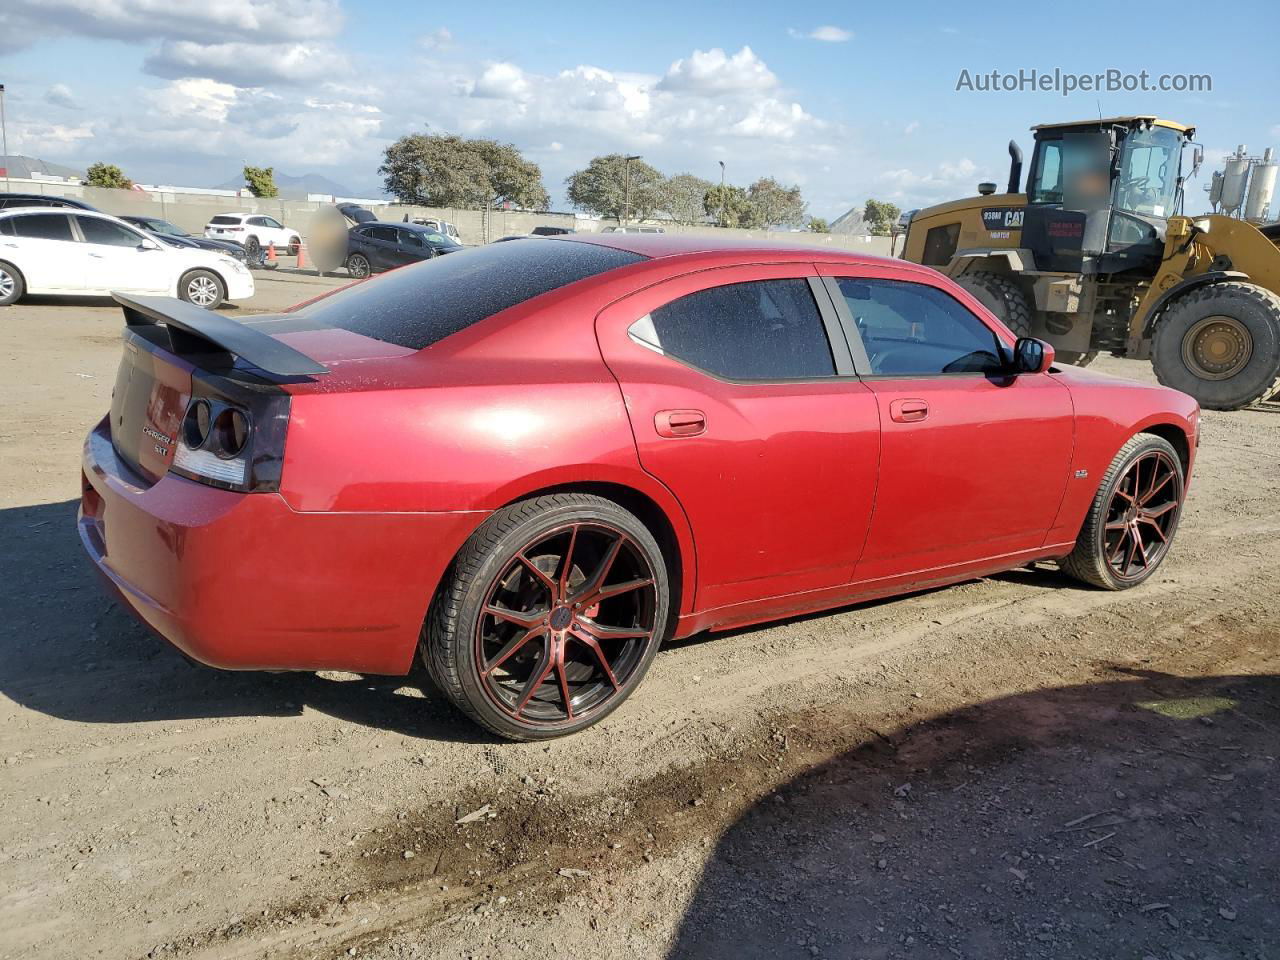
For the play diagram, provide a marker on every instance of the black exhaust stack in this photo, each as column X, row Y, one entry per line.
column 1015, row 167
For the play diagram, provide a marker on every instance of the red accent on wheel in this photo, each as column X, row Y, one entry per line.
column 1141, row 515
column 565, row 624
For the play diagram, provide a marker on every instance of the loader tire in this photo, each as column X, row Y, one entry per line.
column 1002, row 296
column 1221, row 344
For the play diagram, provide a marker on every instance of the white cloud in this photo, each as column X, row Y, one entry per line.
column 248, row 64
column 437, row 39
column 23, row 22
column 713, row 73
column 946, row 181
column 911, row 127
column 827, row 34
column 501, row 81
column 59, row 95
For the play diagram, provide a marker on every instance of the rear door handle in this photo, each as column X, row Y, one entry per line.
column 908, row 411
column 680, row 423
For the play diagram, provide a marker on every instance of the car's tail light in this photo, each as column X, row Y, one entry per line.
column 232, row 436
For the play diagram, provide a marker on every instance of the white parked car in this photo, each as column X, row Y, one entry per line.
column 88, row 254
column 253, row 230
column 438, row 225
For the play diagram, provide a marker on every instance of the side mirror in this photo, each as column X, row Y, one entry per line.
column 1032, row 356
column 148, row 245
column 1197, row 158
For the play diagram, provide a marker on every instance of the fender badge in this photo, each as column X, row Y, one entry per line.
column 1081, row 474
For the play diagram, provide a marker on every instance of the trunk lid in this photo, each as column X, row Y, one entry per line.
column 153, row 388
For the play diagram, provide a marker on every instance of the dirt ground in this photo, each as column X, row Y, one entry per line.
column 1014, row 767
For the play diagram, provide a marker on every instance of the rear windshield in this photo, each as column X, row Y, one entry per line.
column 226, row 219
column 420, row 305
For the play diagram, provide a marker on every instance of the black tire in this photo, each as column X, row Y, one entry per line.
column 1003, row 297
column 12, row 285
column 252, row 247
column 295, row 245
column 1089, row 562
column 1250, row 317
column 358, row 266
column 204, row 288
column 451, row 641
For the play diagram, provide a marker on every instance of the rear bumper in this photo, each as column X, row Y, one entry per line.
column 244, row 582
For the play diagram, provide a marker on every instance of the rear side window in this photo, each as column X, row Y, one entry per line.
column 43, row 226
column 106, row 232
column 759, row 330
column 913, row 329
column 422, row 304
column 386, row 234
column 225, row 220
column 6, row 227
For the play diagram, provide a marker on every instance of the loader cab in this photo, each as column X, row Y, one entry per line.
column 1099, row 194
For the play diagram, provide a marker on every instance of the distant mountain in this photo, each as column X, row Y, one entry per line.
column 297, row 188
column 20, row 166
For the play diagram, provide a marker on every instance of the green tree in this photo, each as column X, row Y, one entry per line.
column 682, row 197
column 261, row 181
column 818, row 225
column 108, row 175
column 880, row 216
column 731, row 207
column 776, row 205
column 446, row 170
column 601, row 188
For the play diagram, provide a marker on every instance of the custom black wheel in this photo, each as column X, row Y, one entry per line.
column 358, row 266
column 1133, row 517
column 11, row 284
column 204, row 288
column 552, row 614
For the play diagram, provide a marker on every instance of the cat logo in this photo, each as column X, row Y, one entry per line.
column 1002, row 218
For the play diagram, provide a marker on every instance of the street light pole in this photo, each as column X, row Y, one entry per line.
column 626, row 204
column 722, row 193
column 4, row 140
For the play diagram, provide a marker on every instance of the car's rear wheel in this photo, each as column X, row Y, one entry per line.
column 252, row 248
column 549, row 617
column 11, row 284
column 358, row 266
column 1133, row 517
column 204, row 288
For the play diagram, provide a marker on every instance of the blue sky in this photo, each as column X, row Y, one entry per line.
column 848, row 100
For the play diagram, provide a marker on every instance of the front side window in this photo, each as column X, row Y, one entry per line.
column 272, row 222
column 758, row 330
column 43, row 226
column 912, row 329
column 410, row 239
column 107, row 233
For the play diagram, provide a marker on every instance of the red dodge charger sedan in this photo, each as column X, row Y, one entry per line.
column 533, row 461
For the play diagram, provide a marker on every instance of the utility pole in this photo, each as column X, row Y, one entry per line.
column 626, row 204
column 722, row 193
column 4, row 140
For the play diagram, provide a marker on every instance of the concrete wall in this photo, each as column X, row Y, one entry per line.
column 191, row 211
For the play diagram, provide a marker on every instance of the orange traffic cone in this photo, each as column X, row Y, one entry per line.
column 271, row 254
column 302, row 257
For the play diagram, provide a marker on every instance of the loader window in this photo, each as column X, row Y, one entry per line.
column 1148, row 181
column 1046, row 180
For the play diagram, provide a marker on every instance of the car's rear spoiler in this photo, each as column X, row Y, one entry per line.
column 194, row 330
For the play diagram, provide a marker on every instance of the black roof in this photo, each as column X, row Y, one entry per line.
column 415, row 227
column 48, row 200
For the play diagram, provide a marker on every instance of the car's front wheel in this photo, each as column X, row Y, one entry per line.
column 1133, row 517
column 358, row 266
column 204, row 288
column 549, row 616
column 11, row 284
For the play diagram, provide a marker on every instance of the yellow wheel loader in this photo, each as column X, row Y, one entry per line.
column 1095, row 255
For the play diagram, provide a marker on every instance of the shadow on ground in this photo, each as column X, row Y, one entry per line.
column 68, row 650
column 1110, row 820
